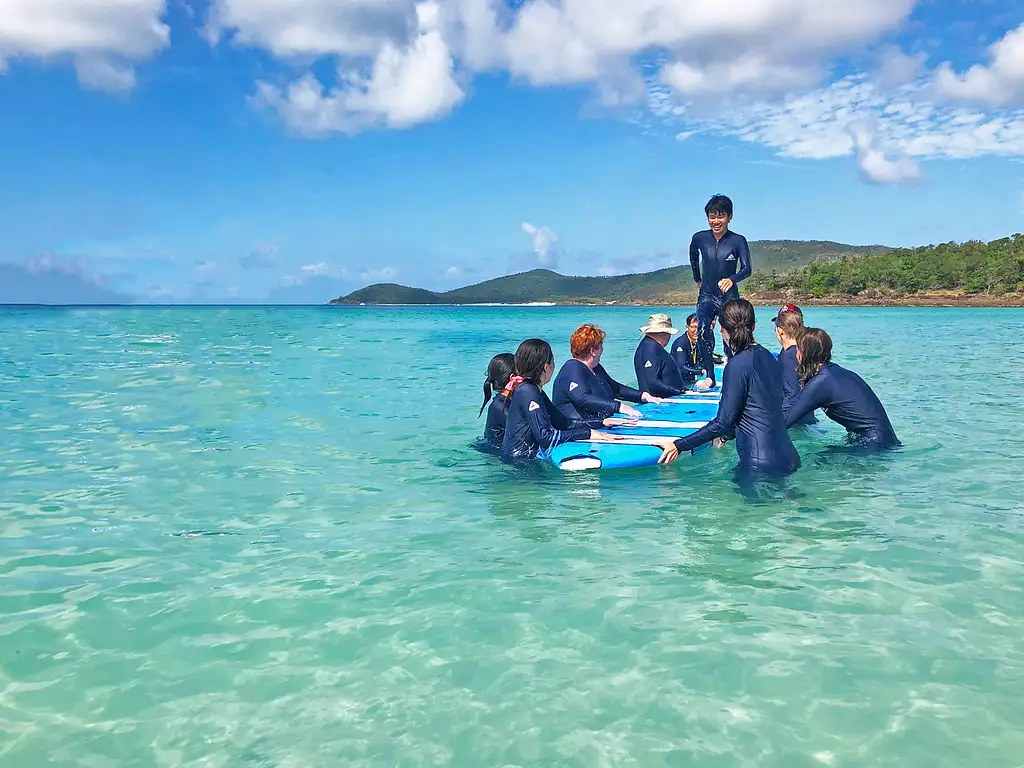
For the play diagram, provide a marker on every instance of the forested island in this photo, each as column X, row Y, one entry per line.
column 972, row 273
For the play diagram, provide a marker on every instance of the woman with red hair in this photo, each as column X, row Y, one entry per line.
column 584, row 390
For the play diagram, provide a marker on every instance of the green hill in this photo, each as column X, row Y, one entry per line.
column 971, row 268
column 663, row 286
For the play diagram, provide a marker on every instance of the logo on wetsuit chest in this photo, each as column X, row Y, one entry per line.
column 648, row 364
column 573, row 386
column 731, row 257
column 534, row 406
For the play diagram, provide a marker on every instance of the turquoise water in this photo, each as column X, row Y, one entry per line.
column 259, row 537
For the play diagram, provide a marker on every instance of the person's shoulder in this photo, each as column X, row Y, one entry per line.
column 701, row 235
column 526, row 391
column 566, row 369
column 737, row 236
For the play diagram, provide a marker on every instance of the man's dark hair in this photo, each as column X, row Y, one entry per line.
column 691, row 318
column 719, row 204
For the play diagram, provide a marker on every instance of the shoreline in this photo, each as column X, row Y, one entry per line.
column 868, row 299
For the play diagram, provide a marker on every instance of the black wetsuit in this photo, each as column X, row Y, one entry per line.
column 847, row 399
column 579, row 392
column 711, row 261
column 687, row 357
column 751, row 407
column 656, row 371
column 533, row 422
column 791, row 382
column 494, row 430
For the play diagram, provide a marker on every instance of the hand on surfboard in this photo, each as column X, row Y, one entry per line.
column 630, row 411
column 647, row 397
column 603, row 437
column 619, row 422
column 669, row 453
column 704, row 384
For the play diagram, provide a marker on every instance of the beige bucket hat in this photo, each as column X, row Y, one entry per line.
column 659, row 324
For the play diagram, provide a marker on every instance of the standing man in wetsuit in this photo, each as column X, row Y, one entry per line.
column 719, row 259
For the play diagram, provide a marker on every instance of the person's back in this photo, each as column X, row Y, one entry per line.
column 532, row 422
column 842, row 394
column 499, row 371
column 656, row 371
column 789, row 369
column 789, row 324
column 576, row 382
column 848, row 400
column 494, row 429
column 751, row 406
column 761, row 434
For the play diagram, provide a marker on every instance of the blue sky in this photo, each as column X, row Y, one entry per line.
column 295, row 150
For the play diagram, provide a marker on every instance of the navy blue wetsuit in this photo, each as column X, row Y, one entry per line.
column 791, row 382
column 533, row 422
column 494, row 430
column 656, row 371
column 687, row 357
column 751, row 407
column 711, row 261
column 847, row 399
column 579, row 392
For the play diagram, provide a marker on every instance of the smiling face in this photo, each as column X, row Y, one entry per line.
column 691, row 330
column 719, row 223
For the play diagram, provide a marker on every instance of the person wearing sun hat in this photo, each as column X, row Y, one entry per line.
column 656, row 371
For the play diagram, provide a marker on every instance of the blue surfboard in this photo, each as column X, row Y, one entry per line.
column 573, row 457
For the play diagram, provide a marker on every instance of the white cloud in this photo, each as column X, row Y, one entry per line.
column 896, row 68
column 379, row 275
column 403, row 62
column 906, row 124
column 407, row 84
column 1000, row 83
column 542, row 241
column 878, row 168
column 633, row 263
column 103, row 38
column 453, row 272
column 400, row 63
column 206, row 268
column 308, row 271
column 747, row 73
column 262, row 255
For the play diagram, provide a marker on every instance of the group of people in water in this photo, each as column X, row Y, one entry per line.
column 763, row 395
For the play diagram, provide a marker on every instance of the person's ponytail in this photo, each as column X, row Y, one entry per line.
column 487, row 396
column 737, row 318
column 499, row 371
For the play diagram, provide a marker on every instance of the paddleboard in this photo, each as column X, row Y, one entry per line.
column 576, row 456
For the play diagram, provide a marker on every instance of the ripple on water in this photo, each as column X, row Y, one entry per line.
column 226, row 539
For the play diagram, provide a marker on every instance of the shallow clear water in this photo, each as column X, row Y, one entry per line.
column 258, row 536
